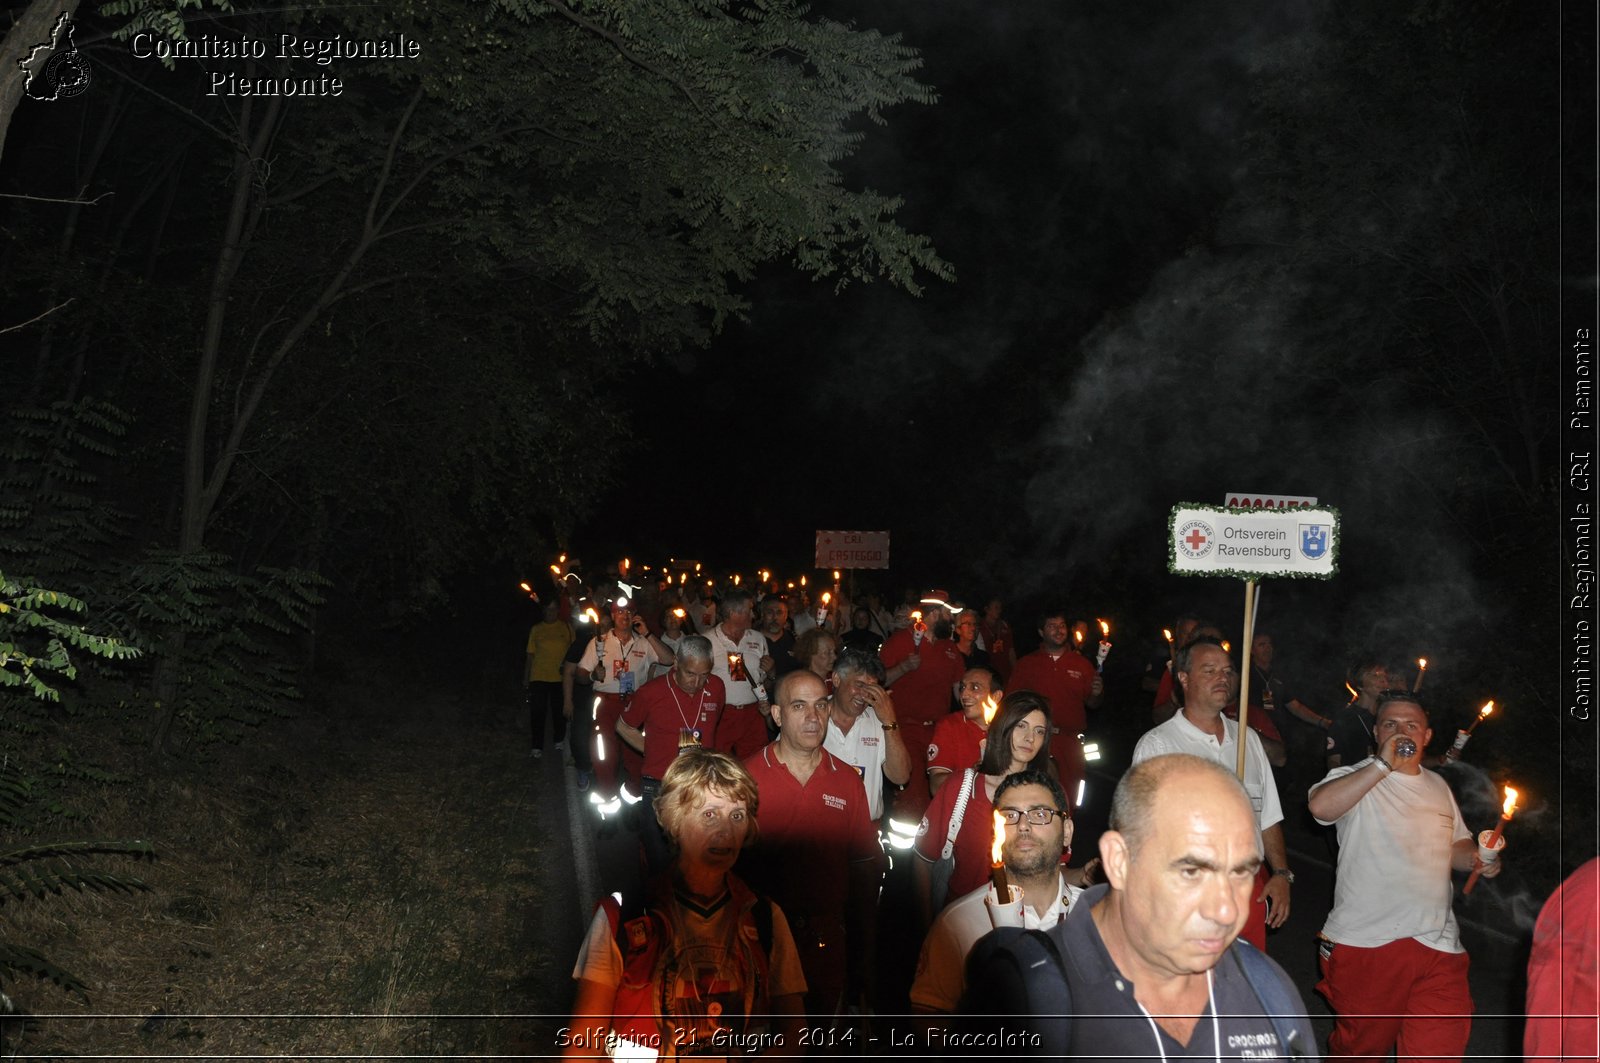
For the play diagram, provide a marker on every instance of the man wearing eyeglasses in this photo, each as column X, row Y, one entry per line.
column 1392, row 963
column 1038, row 830
column 1209, row 682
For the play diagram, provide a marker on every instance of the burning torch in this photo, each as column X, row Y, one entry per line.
column 1422, row 670
column 918, row 628
column 822, row 609
column 997, row 868
column 1453, row 754
column 1105, row 646
column 1490, row 843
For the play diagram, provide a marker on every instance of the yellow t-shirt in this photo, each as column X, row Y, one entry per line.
column 547, row 645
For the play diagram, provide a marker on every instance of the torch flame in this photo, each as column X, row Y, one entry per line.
column 625, row 564
column 1510, row 805
column 1422, row 662
column 766, row 574
column 1484, row 712
column 826, row 597
column 679, row 613
column 1353, row 694
column 1105, row 629
column 802, row 581
column 556, row 569
column 562, row 559
column 999, row 838
column 1227, row 647
column 1166, row 633
column 524, row 586
column 697, row 568
column 916, row 616
column 590, row 616
column 990, row 707
column 836, row 575
column 1077, row 636
column 736, row 579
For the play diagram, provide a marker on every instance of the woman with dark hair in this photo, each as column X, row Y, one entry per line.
column 703, row 959
column 959, row 825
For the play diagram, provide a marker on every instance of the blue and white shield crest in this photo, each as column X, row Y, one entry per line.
column 1313, row 540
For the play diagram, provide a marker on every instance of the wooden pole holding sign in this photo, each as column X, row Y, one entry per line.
column 1248, row 544
column 1244, row 672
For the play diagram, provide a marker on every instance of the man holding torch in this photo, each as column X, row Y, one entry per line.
column 922, row 668
column 1392, row 963
column 741, row 659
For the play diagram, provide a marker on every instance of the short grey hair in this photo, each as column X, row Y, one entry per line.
column 850, row 662
column 694, row 648
column 736, row 601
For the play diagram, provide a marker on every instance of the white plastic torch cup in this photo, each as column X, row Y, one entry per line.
column 1009, row 914
column 1486, row 855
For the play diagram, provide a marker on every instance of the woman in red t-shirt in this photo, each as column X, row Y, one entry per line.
column 1019, row 737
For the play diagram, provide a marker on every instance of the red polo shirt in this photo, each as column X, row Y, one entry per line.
column 957, row 743
column 973, row 841
column 661, row 709
column 1065, row 681
column 810, row 835
column 923, row 694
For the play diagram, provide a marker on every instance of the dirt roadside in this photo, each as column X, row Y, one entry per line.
column 374, row 882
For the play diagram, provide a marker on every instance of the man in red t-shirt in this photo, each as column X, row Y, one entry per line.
column 923, row 668
column 818, row 855
column 1069, row 682
column 669, row 713
column 958, row 738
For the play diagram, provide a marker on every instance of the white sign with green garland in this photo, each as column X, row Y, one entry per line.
column 1252, row 543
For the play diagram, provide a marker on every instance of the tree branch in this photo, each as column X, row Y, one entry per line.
column 31, row 320
column 627, row 53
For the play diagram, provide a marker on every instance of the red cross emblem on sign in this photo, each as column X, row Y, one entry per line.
column 1196, row 539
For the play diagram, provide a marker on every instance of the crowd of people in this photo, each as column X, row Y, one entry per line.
column 832, row 730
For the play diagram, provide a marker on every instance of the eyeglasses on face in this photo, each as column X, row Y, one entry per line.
column 1038, row 815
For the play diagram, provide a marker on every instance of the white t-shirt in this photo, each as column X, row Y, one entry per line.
column 1394, row 863
column 627, row 669
column 942, row 967
column 1178, row 735
column 751, row 648
column 865, row 749
column 701, row 967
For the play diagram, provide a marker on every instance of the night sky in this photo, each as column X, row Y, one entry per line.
column 1128, row 199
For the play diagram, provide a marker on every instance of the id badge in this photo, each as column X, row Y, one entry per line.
column 688, row 737
column 625, row 683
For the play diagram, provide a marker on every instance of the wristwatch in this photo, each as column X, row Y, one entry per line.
column 1285, row 872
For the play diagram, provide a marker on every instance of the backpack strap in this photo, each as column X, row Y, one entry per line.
column 1280, row 1005
column 958, row 813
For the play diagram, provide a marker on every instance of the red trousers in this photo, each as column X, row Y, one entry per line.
column 1402, row 997
column 1067, row 752
column 912, row 800
column 741, row 730
column 606, row 748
